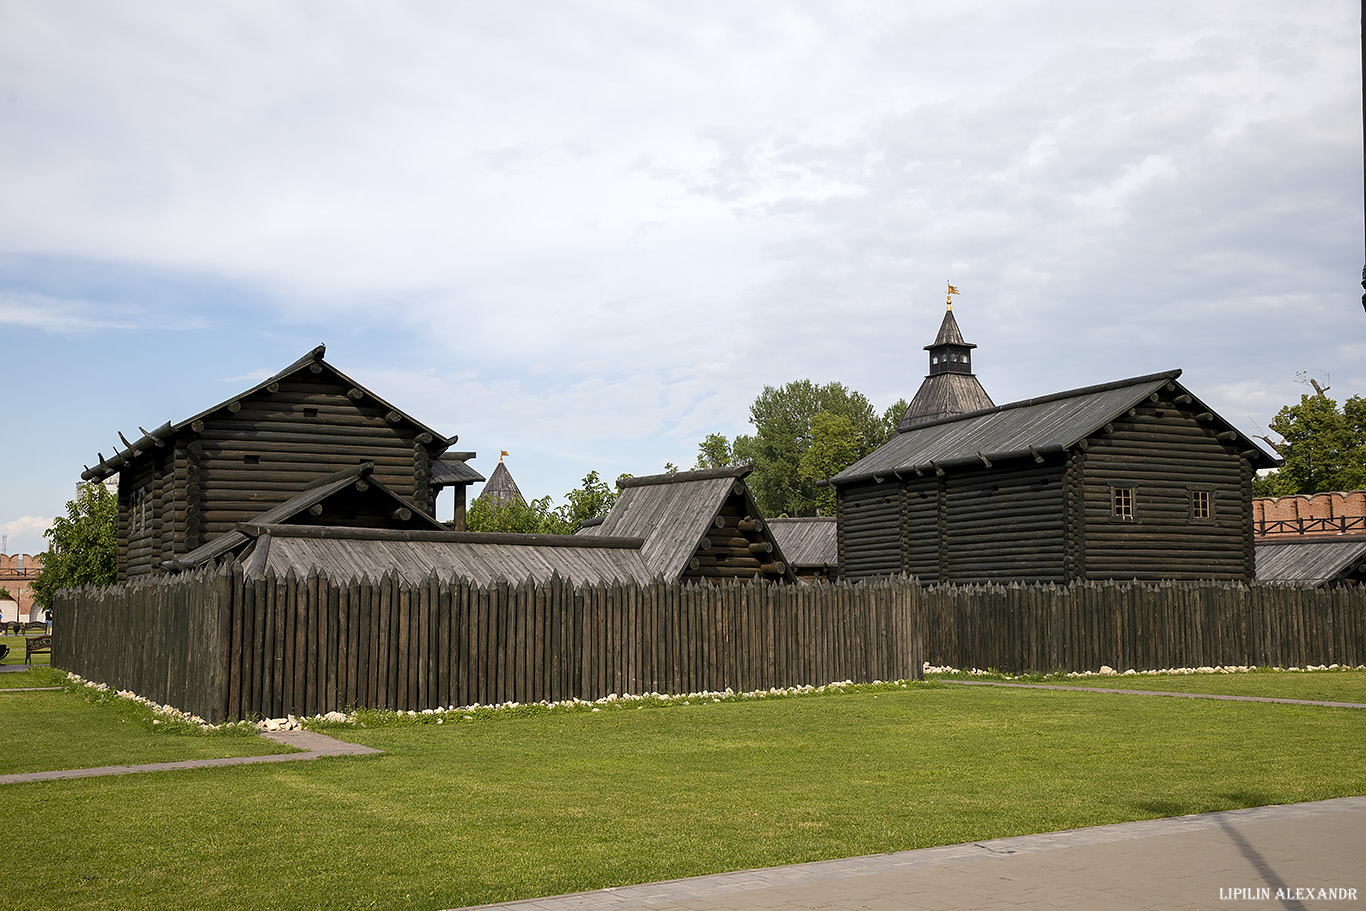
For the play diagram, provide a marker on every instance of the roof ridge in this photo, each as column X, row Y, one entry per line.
column 1045, row 399
column 678, row 477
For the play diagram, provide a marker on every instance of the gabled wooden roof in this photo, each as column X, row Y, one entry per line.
column 162, row 435
column 1316, row 561
column 312, row 504
column 479, row 557
column 675, row 512
column 1050, row 424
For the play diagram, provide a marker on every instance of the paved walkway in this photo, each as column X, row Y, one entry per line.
column 1127, row 692
column 1186, row 862
column 314, row 746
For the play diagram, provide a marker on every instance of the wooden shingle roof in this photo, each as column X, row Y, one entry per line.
column 944, row 395
column 1050, row 424
column 501, row 489
column 454, row 468
column 1315, row 561
column 675, row 512
column 808, row 542
column 479, row 557
column 949, row 334
column 313, row 359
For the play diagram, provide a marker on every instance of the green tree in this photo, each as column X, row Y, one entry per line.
column 592, row 500
column 891, row 417
column 1324, row 446
column 714, row 452
column 783, row 432
column 84, row 545
column 834, row 446
column 517, row 517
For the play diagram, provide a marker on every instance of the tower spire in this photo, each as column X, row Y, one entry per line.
column 951, row 387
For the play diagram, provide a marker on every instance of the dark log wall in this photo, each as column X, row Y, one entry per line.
column 137, row 501
column 1164, row 451
column 279, row 441
column 920, row 528
column 735, row 546
column 870, row 530
column 257, row 452
column 1006, row 522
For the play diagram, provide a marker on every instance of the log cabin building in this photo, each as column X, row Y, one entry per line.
column 1135, row 479
column 697, row 526
column 684, row 527
column 184, row 485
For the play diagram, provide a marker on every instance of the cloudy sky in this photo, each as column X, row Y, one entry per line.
column 589, row 233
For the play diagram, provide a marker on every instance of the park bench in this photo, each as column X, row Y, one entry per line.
column 36, row 645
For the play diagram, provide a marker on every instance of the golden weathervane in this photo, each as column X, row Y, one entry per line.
column 949, row 299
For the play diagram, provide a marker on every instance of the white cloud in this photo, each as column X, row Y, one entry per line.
column 25, row 534
column 598, row 229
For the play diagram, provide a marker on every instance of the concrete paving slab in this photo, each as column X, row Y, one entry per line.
column 311, row 745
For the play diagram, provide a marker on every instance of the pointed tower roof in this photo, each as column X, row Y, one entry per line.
column 501, row 489
column 951, row 388
column 949, row 333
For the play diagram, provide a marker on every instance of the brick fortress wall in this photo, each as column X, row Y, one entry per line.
column 1310, row 514
column 16, row 572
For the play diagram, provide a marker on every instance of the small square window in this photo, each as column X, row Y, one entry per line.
column 1202, row 505
column 1122, row 504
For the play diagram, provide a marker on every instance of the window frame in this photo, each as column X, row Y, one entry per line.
column 1123, row 504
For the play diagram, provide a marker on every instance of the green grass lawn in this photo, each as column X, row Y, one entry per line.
column 1325, row 686
column 519, row 805
column 16, row 650
column 74, row 729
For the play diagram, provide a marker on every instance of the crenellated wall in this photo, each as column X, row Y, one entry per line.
column 16, row 572
column 1310, row 514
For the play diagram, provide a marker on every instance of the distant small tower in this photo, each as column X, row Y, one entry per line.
column 501, row 489
column 951, row 387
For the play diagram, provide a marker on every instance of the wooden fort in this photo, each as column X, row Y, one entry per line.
column 1136, row 479
column 183, row 485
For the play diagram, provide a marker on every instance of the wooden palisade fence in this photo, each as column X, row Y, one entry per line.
column 1145, row 626
column 220, row 646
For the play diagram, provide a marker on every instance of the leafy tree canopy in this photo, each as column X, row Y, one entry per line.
column 1324, row 446
column 803, row 433
column 85, row 545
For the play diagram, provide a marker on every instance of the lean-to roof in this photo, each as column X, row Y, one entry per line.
column 1037, row 426
column 453, row 468
column 807, row 541
column 316, row 495
column 1316, row 561
column 482, row 558
column 163, row 434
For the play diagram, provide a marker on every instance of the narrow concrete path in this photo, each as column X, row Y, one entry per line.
column 1126, row 692
column 314, row 746
column 1281, row 857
